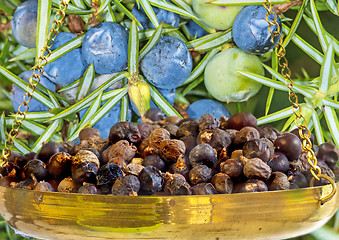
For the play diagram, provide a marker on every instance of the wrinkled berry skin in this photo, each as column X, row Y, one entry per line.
column 155, row 161
column 24, row 23
column 278, row 181
column 168, row 64
column 151, row 180
column 124, row 131
column 207, row 106
column 254, row 185
column 194, row 30
column 250, row 30
column 68, row 68
column 177, row 185
column 106, row 46
column 17, row 93
column 200, row 174
column 279, row 162
column 203, row 189
column 128, row 185
column 35, row 167
column 107, row 175
column 257, row 148
column 154, row 114
column 162, row 15
column 329, row 153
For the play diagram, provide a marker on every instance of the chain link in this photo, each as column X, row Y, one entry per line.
column 304, row 132
column 37, row 73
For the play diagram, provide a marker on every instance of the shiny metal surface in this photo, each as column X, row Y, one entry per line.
column 266, row 215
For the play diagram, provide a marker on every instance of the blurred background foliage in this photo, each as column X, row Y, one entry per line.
column 302, row 66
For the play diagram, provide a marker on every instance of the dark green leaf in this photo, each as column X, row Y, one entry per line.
column 273, row 117
column 326, row 70
column 2, row 128
column 123, row 9
column 151, row 43
column 124, row 104
column 245, row 2
column 318, row 128
column 332, row 123
column 318, row 26
column 47, row 135
column 210, row 41
column 149, row 12
column 28, row 54
column 133, row 49
column 192, row 85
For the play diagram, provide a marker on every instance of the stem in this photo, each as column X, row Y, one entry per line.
column 281, row 8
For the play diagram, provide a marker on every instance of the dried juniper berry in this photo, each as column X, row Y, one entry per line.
column 67, row 186
column 8, row 180
column 49, row 149
column 175, row 184
column 232, row 167
column 43, row 186
column 180, row 167
column 88, row 188
column 124, row 131
column 107, row 175
column 279, row 162
column 223, row 123
column 85, row 156
column 222, row 183
column 257, row 168
column 200, row 174
column 128, row 185
column 171, row 149
column 240, row 120
column 18, row 160
column 155, row 161
column 151, row 180
column 203, row 189
column 70, row 147
column 304, row 132
column 85, row 172
column 297, row 180
column 329, row 153
column 188, row 127
column 203, row 154
column 278, row 181
column 288, row 144
column 324, row 170
column 30, row 156
column 118, row 161
column 217, row 138
column 59, row 165
column 122, row 149
column 29, row 183
column 35, row 167
column 246, row 134
column 133, row 169
column 270, row 146
column 257, row 148
column 145, row 130
column 254, row 185
column 151, row 145
column 208, row 121
column 269, row 132
column 171, row 128
column 89, row 134
column 190, row 142
column 154, row 114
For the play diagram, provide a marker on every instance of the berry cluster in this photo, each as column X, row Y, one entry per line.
column 172, row 156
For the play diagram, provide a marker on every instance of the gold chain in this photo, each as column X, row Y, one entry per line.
column 293, row 98
column 37, row 72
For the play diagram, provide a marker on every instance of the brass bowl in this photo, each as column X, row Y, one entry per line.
column 266, row 215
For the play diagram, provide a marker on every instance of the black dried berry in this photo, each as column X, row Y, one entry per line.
column 151, row 180
column 189, row 127
column 88, row 188
column 35, row 167
column 154, row 114
column 203, row 189
column 124, row 131
column 67, row 185
column 190, row 142
column 49, row 149
column 257, row 149
column 59, row 165
column 329, row 153
column 203, row 154
column 246, row 134
column 222, row 183
column 208, row 122
column 240, row 120
column 176, row 185
column 122, row 149
column 128, row 186
column 268, row 132
column 278, row 181
column 232, row 167
column 155, row 161
column 200, row 174
column 85, row 172
column 43, row 186
column 288, row 144
column 145, row 130
column 89, row 134
column 254, row 185
column 279, row 163
column 297, row 180
column 171, row 128
column 107, row 175
column 217, row 138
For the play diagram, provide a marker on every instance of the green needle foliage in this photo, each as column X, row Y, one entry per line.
column 317, row 94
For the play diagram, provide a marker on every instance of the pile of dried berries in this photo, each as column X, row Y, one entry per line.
column 172, row 156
